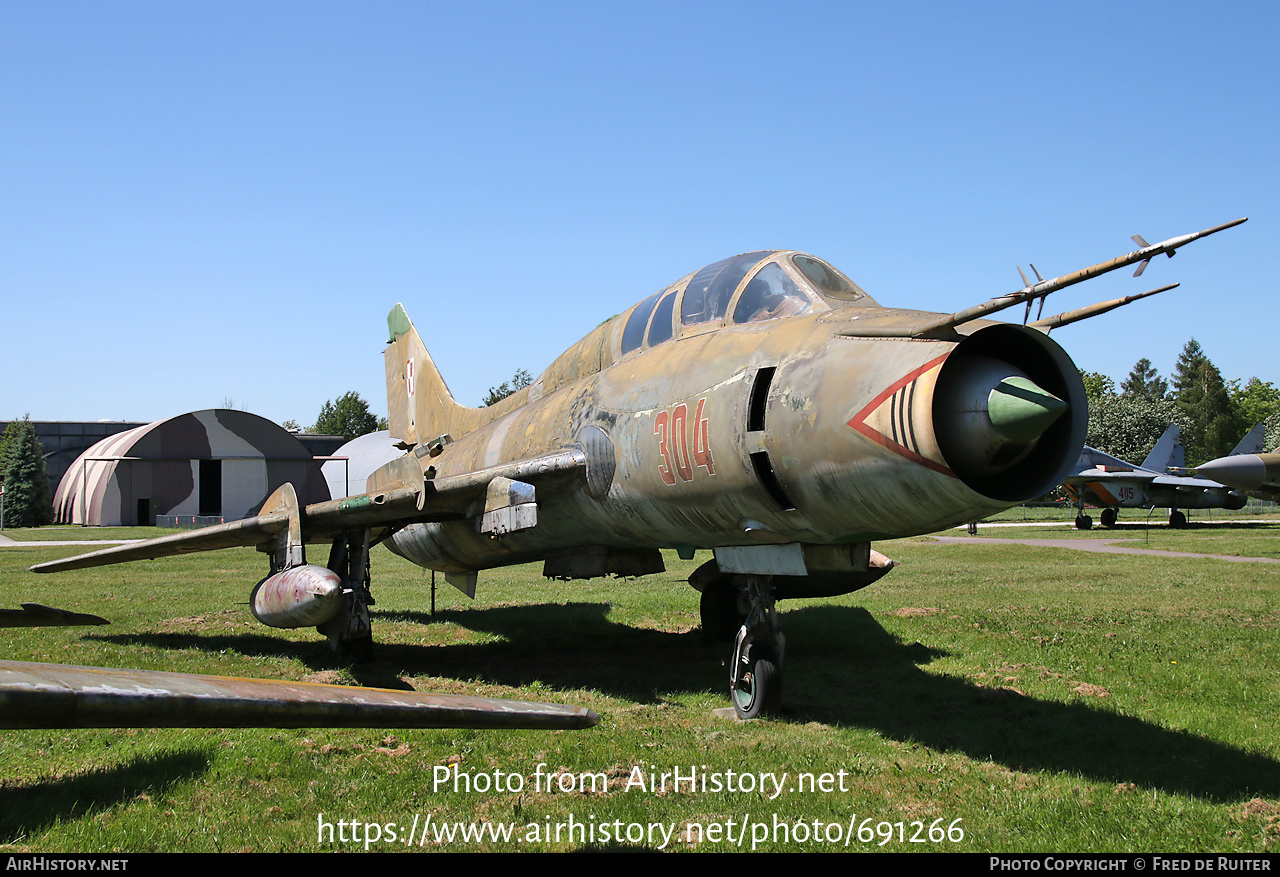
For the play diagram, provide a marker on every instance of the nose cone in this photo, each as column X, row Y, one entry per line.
column 1020, row 410
column 1243, row 471
column 990, row 415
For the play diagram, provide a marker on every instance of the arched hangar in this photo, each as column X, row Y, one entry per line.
column 217, row 463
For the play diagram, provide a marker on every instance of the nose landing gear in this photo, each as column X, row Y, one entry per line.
column 755, row 664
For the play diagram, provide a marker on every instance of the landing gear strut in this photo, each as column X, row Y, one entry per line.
column 350, row 632
column 755, row 667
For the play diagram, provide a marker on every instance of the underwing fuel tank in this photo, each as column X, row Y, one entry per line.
column 303, row 596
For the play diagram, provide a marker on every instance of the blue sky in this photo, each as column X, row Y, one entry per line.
column 203, row 201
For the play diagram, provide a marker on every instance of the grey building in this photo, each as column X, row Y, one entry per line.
column 65, row 440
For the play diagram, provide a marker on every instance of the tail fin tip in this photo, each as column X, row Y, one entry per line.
column 398, row 323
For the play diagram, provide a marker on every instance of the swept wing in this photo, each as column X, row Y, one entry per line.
column 64, row 696
column 283, row 525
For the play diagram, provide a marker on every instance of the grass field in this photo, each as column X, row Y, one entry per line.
column 1237, row 538
column 1028, row 699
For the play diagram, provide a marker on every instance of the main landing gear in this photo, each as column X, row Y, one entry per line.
column 350, row 632
column 740, row 609
column 1084, row 522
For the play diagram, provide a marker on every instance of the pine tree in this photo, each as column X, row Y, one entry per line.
column 8, row 441
column 1202, row 397
column 27, row 501
column 1144, row 382
column 1184, row 371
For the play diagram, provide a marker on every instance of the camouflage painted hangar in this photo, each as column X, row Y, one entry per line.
column 218, row 463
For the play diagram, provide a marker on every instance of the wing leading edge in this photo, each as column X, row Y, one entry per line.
column 282, row 525
column 66, row 696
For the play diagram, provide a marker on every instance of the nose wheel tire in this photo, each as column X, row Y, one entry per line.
column 758, row 691
column 1084, row 522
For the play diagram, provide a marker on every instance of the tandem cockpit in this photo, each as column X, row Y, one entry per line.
column 748, row 288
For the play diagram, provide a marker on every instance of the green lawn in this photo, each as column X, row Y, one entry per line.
column 1030, row 699
column 1259, row 538
column 77, row 534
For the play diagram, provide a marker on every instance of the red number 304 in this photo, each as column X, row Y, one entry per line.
column 672, row 429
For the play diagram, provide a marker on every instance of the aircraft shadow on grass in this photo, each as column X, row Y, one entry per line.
column 31, row 808
column 846, row 670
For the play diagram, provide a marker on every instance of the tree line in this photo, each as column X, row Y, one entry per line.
column 1212, row 413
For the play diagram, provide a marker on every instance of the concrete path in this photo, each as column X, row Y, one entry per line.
column 1097, row 546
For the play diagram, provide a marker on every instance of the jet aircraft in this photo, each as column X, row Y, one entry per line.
column 764, row 408
column 1112, row 484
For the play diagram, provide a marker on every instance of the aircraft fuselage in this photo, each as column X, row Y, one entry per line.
column 766, row 433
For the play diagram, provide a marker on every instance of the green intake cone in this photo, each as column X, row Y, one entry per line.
column 1021, row 410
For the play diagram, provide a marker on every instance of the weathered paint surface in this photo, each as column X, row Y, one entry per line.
column 301, row 596
column 62, row 696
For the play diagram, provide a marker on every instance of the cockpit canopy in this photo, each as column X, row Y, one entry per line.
column 749, row 288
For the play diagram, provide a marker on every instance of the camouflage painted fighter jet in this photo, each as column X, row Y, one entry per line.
column 764, row 408
column 1161, row 481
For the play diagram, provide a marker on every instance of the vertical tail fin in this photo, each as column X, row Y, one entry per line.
column 419, row 404
column 1252, row 441
column 1168, row 452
